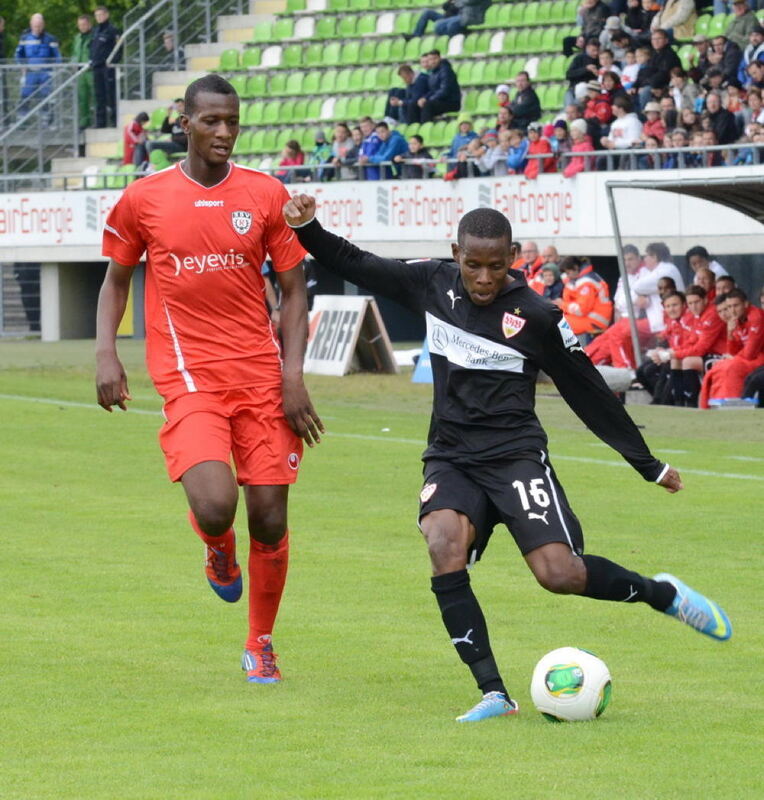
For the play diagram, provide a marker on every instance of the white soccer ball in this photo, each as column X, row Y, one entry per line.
column 570, row 685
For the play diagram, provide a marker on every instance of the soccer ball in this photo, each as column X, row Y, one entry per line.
column 570, row 684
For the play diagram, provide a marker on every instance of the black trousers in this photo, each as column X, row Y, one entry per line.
column 105, row 87
column 434, row 108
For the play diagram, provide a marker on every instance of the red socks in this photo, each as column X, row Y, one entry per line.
column 225, row 543
column 267, row 575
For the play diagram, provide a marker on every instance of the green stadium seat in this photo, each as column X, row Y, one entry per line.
column 341, row 109
column 464, row 72
column 263, row 31
column 382, row 52
column 239, row 82
column 469, row 101
column 468, row 46
column 378, row 106
column 702, row 23
column 370, row 77
column 343, row 80
column 549, row 41
column 557, row 68
column 257, row 85
column 157, row 158
column 367, row 24
column 556, row 96
column 486, row 102
column 270, row 141
column 366, row 108
column 530, row 16
column 277, row 84
column 441, row 43
column 557, row 12
column 349, row 53
column 229, row 60
column 510, row 42
column 452, row 128
column 425, row 131
column 313, row 54
column 295, row 5
column 291, row 56
column 156, row 118
column 492, row 16
column 243, row 143
column 360, row 5
column 544, row 14
column 717, row 26
column 313, row 111
column 367, row 52
column 331, row 54
column 354, row 107
column 535, row 38
column 287, row 111
column 544, row 68
column 357, row 81
column 256, row 142
column 300, row 110
column 684, row 53
column 294, row 83
column 283, row 29
column 250, row 57
column 320, row 83
column 571, row 11
column 483, row 42
column 271, row 112
column 491, row 74
column 517, row 65
column 516, row 17
column 338, row 5
column 505, row 15
column 397, row 49
column 428, row 43
column 521, row 43
column 404, row 23
column 327, row 27
column 383, row 80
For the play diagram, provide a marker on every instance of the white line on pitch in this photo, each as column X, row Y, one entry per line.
column 373, row 438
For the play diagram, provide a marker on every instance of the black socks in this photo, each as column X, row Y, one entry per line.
column 466, row 626
column 606, row 580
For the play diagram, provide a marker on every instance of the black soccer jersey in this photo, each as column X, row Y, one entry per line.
column 485, row 359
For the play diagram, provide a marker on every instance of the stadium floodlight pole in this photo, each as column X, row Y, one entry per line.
column 624, row 276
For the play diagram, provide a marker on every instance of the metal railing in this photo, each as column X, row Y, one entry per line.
column 153, row 37
column 39, row 114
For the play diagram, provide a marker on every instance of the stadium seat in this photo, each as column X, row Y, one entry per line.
column 250, row 57
column 304, row 28
column 327, row 109
column 367, row 24
column 557, row 12
column 354, row 106
column 367, row 52
column 229, row 60
column 702, row 23
column 530, row 16
column 277, row 84
column 331, row 54
column 239, row 82
column 256, row 85
column 516, row 17
column 425, row 131
column 557, row 68
column 271, row 56
column 242, row 145
column 156, row 119
column 270, row 141
column 318, row 83
column 491, row 74
column 466, row 70
column 349, row 53
column 544, row 14
column 548, row 41
column 510, row 42
column 313, row 112
column 313, row 54
column 378, row 106
column 253, row 114
column 282, row 29
column 341, row 109
column 263, row 32
column 544, row 69
column 158, row 159
column 684, row 53
column 397, row 49
column 271, row 112
column 404, row 23
column 291, row 56
column 327, row 27
column 382, row 51
column 287, row 112
column 295, row 5
column 717, row 26
column 571, row 10
column 492, row 17
column 256, row 142
column 342, row 84
column 300, row 110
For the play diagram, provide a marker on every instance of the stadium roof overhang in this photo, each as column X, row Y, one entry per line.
column 743, row 193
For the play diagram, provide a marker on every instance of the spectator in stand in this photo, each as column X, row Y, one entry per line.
column 753, row 112
column 134, row 138
column 724, row 284
column 369, row 146
column 678, row 138
column 549, row 255
column 722, row 121
column 621, row 44
column 654, row 125
column 518, row 150
column 612, row 27
column 698, row 58
column 754, row 51
column 525, row 105
column 457, row 16
column 530, row 262
column 402, row 103
column 171, row 124
column 755, row 72
column 443, row 93
column 713, row 80
column 713, row 158
column 393, row 144
column 656, row 73
column 731, row 56
column 699, row 258
column 342, row 145
column 560, row 140
column 690, row 120
column 745, row 341
column 593, row 15
column 630, row 69
column 639, row 18
column 464, row 135
column 682, row 90
column 81, row 55
column 607, row 64
column 677, row 18
column 626, row 130
column 104, row 40
column 417, row 162
column 291, row 156
column 348, row 162
column 585, row 299
column 582, row 68
column 502, row 95
column 503, row 119
column 743, row 23
column 552, row 286
column 321, row 154
column 467, row 161
column 173, row 58
column 650, row 159
column 598, row 111
column 669, row 114
column 538, row 145
column 35, row 49
column 493, row 161
column 581, row 143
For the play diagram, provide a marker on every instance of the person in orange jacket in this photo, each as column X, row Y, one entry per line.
column 539, row 146
column 586, row 299
column 745, row 337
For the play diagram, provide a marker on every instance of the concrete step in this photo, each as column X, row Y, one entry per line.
column 169, row 85
column 72, row 166
column 102, row 142
column 205, row 57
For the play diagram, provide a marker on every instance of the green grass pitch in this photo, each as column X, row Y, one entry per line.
column 119, row 667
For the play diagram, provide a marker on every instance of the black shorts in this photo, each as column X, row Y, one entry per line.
column 523, row 493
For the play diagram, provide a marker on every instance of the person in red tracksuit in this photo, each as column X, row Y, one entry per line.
column 709, row 338
column 678, row 334
column 745, row 337
column 539, row 146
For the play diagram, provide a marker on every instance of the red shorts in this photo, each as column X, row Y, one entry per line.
column 248, row 424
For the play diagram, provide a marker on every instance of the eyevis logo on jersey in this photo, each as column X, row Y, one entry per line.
column 511, row 324
column 241, row 221
column 209, row 262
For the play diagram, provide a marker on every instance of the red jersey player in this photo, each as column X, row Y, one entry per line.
column 206, row 225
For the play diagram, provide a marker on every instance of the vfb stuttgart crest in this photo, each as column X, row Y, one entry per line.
column 512, row 324
column 242, row 221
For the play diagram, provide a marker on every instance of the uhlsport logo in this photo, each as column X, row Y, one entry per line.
column 511, row 325
column 428, row 491
column 293, row 460
column 241, row 221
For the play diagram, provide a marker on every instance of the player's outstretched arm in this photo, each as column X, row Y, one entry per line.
column 298, row 408
column 111, row 381
column 403, row 282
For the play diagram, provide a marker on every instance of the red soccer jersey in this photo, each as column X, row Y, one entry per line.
column 747, row 340
column 207, row 324
column 710, row 335
column 679, row 332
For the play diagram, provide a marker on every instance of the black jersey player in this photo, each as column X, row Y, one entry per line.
column 486, row 461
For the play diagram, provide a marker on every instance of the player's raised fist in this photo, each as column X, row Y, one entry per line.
column 300, row 210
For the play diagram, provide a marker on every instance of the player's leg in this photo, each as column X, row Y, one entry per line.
column 692, row 371
column 268, row 565
column 451, row 535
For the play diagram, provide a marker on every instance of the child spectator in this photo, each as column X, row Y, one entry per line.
column 321, row 154
column 682, row 89
column 551, row 283
column 464, row 136
column 134, row 138
column 538, row 145
column 342, row 144
column 654, row 124
column 493, row 161
column 467, row 161
column 690, row 120
column 291, row 156
column 626, row 131
column 560, row 140
column 503, row 119
column 581, row 143
column 650, row 160
column 518, row 150
column 678, row 138
column 502, row 95
column 753, row 111
column 419, row 162
column 607, row 64
column 630, row 69
column 598, row 107
column 347, row 163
